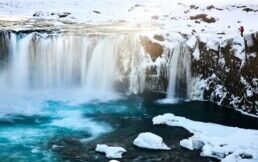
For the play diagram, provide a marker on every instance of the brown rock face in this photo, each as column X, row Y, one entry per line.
column 154, row 49
column 203, row 17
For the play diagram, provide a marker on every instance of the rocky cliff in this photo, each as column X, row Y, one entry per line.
column 222, row 72
column 229, row 72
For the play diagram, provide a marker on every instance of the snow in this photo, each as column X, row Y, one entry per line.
column 249, row 93
column 196, row 53
column 239, row 47
column 173, row 17
column 214, row 140
column 113, row 161
column 191, row 42
column 149, row 140
column 110, row 151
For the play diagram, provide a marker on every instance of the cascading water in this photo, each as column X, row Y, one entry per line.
column 55, row 62
column 179, row 74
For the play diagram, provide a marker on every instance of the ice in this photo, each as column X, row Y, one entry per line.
column 192, row 42
column 214, row 140
column 249, row 92
column 113, row 161
column 196, row 53
column 149, row 140
column 110, row 151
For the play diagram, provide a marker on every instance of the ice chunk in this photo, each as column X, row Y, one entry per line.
column 110, row 151
column 223, row 142
column 150, row 141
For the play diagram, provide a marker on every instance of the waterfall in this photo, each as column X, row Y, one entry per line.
column 102, row 66
column 179, row 74
column 57, row 61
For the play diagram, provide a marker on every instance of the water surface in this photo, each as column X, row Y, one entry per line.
column 63, row 131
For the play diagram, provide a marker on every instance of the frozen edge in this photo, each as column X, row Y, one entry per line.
column 218, row 141
column 110, row 151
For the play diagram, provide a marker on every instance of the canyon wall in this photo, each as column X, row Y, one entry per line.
column 225, row 73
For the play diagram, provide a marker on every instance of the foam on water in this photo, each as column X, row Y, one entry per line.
column 74, row 120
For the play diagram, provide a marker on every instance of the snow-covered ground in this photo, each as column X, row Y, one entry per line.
column 230, row 144
column 149, row 140
column 171, row 16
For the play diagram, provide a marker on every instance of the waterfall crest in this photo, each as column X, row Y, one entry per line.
column 95, row 63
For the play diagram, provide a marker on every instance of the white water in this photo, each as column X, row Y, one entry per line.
column 69, row 68
column 179, row 74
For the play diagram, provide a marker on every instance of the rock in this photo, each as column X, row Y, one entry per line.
column 97, row 12
column 210, row 7
column 150, row 141
column 230, row 72
column 38, row 14
column 203, row 17
column 110, row 151
column 64, row 14
column 194, row 7
column 154, row 49
column 155, row 17
column 159, row 37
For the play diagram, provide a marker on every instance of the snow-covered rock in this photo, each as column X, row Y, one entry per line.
column 110, row 151
column 233, row 65
column 219, row 141
column 150, row 141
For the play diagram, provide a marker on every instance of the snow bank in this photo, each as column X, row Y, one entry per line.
column 110, row 151
column 150, row 141
column 230, row 144
column 113, row 161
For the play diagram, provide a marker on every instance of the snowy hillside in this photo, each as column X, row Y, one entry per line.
column 172, row 16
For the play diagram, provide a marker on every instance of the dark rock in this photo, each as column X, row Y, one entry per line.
column 248, row 10
column 97, row 12
column 64, row 14
column 222, row 33
column 194, row 7
column 229, row 74
column 203, row 17
column 219, row 9
column 159, row 37
column 210, row 7
column 38, row 13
